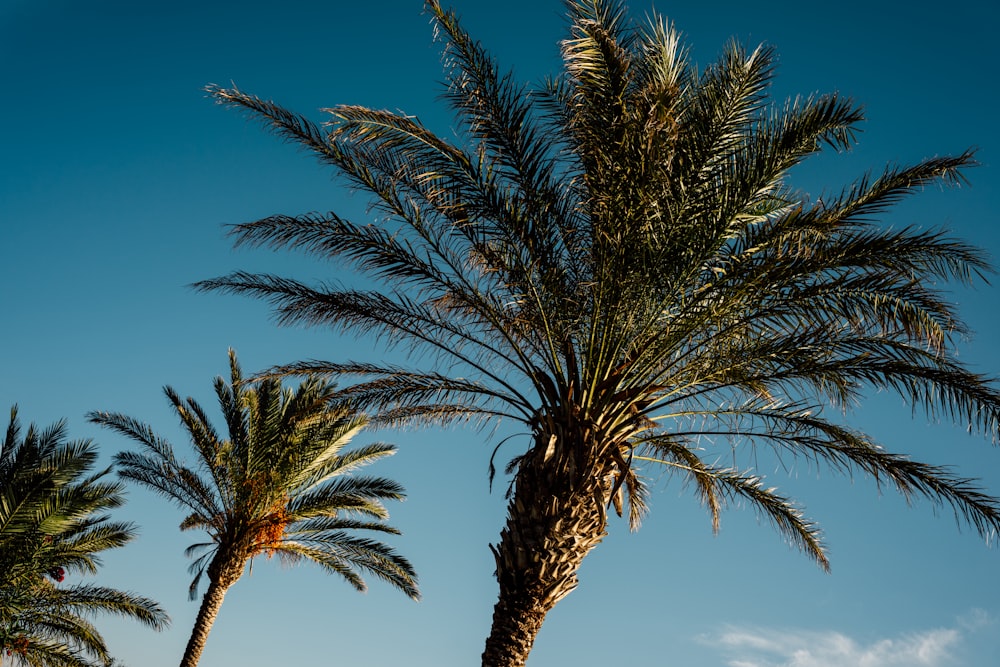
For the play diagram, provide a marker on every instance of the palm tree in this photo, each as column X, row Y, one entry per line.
column 279, row 484
column 53, row 523
column 617, row 262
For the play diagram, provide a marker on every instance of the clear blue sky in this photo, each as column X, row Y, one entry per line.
column 117, row 176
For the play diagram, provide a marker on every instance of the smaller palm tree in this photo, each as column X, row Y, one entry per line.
column 53, row 524
column 279, row 484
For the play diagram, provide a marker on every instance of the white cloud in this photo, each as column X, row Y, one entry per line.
column 748, row 646
column 975, row 620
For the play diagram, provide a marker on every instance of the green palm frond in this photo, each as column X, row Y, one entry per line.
column 54, row 523
column 283, row 469
column 716, row 486
column 344, row 554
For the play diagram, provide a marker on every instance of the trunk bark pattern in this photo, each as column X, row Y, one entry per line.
column 556, row 516
column 221, row 579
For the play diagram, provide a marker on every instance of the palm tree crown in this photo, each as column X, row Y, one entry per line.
column 53, row 524
column 280, row 483
column 618, row 262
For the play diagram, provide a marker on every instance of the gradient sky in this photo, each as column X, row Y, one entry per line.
column 117, row 176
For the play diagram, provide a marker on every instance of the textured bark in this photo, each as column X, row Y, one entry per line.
column 557, row 515
column 220, row 582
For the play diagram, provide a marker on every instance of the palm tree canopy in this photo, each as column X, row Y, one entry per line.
column 618, row 261
column 280, row 483
column 53, row 524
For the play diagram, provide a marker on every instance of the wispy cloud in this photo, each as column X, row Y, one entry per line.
column 750, row 646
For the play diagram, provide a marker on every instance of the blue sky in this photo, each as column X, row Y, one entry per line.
column 117, row 176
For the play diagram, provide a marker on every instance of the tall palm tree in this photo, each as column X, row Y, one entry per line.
column 53, row 524
column 617, row 261
column 279, row 484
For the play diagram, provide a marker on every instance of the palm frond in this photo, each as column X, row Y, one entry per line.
column 283, row 471
column 53, row 520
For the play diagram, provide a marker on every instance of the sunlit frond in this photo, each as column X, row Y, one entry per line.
column 283, row 470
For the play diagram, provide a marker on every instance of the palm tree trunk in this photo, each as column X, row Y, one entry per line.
column 221, row 579
column 210, row 605
column 557, row 515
